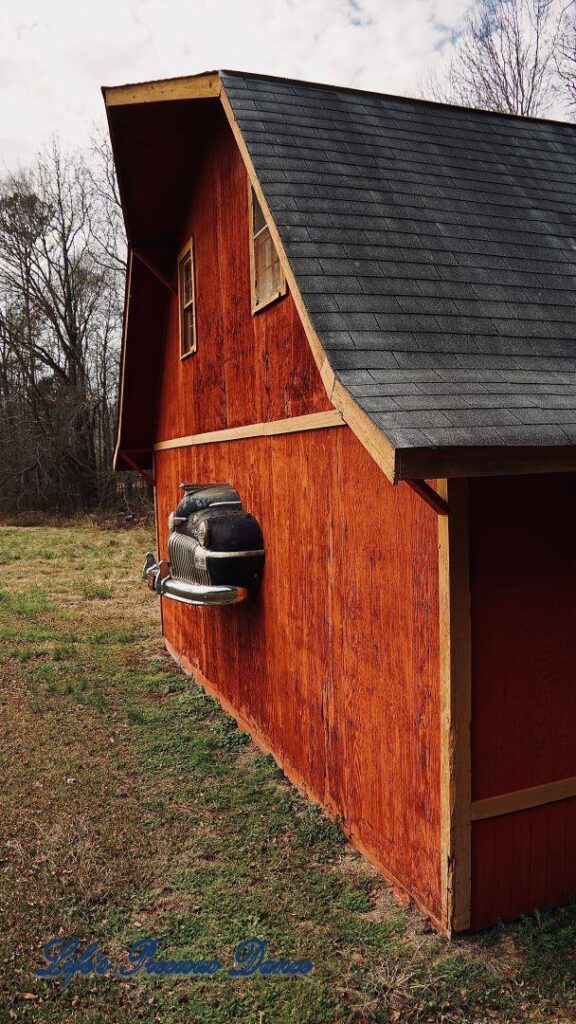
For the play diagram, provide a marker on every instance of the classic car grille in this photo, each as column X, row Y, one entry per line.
column 181, row 555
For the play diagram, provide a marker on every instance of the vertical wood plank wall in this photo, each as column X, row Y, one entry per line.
column 523, row 590
column 335, row 666
column 247, row 369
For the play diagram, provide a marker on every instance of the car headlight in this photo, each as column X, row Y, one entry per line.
column 202, row 531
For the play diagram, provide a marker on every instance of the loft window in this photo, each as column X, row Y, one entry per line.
column 267, row 280
column 187, row 301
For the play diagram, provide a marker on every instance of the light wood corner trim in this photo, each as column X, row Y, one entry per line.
column 194, row 87
column 292, row 425
column 366, row 431
column 313, row 340
column 523, row 799
column 455, row 706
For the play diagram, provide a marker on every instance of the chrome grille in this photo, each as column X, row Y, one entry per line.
column 181, row 554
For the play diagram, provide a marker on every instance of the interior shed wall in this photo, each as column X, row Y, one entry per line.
column 334, row 667
column 523, row 603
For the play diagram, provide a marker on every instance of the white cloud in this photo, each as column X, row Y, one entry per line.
column 54, row 57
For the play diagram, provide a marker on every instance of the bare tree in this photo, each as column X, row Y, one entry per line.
column 106, row 207
column 566, row 57
column 60, row 312
column 506, row 57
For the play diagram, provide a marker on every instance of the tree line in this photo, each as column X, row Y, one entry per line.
column 62, row 267
column 63, row 261
column 515, row 57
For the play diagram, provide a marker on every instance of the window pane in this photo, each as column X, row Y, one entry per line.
column 259, row 221
column 186, row 301
column 187, row 280
column 187, row 329
column 267, row 267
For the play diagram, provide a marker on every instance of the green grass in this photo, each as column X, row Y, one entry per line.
column 95, row 591
column 132, row 806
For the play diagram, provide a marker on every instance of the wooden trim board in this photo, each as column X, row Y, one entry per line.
column 367, row 432
column 523, row 799
column 293, row 425
column 197, row 87
column 374, row 441
column 455, row 706
column 315, row 344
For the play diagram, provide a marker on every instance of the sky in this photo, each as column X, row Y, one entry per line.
column 55, row 55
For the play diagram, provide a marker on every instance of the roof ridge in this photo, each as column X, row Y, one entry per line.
column 420, row 101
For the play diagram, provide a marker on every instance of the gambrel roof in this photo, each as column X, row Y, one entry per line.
column 434, row 251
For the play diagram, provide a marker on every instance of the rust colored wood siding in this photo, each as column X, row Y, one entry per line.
column 247, row 369
column 523, row 591
column 335, row 665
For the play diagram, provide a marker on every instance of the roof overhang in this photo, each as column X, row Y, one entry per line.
column 436, row 463
column 192, row 87
column 159, row 133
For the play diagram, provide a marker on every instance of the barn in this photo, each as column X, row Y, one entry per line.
column 349, row 334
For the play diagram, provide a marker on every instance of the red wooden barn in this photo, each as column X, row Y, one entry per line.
column 355, row 314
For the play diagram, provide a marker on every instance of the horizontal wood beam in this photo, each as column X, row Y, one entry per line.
column 524, row 799
column 432, row 463
column 293, row 425
column 195, row 87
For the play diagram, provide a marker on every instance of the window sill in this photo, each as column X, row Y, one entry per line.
column 269, row 302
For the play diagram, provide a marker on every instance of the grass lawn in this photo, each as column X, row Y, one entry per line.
column 131, row 806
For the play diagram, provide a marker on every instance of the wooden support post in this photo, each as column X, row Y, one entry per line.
column 455, row 705
column 429, row 495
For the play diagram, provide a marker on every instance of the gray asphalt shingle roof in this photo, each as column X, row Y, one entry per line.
column 435, row 250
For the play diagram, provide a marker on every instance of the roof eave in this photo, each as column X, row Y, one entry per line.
column 203, row 86
column 490, row 460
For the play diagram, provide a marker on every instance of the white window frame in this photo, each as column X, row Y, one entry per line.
column 184, row 254
column 258, row 304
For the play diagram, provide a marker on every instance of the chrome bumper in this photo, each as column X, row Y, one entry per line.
column 157, row 576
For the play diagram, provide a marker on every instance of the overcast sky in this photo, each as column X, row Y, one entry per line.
column 55, row 55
